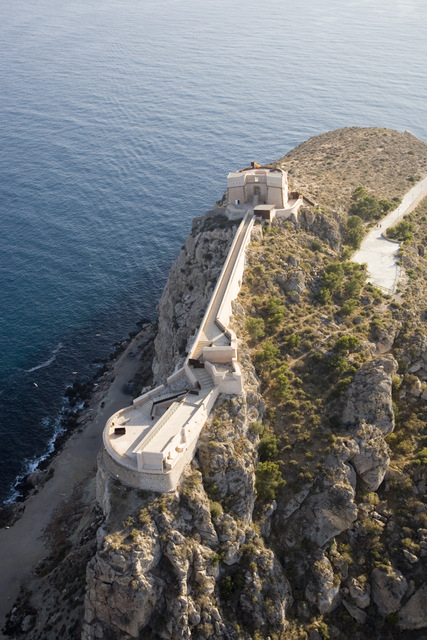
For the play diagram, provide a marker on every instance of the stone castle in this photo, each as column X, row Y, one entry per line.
column 148, row 444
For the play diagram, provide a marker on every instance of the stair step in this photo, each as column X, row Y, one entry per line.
column 203, row 377
column 145, row 409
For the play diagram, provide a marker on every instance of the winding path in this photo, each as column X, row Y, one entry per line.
column 378, row 252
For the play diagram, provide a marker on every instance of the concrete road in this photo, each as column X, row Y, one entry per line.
column 380, row 254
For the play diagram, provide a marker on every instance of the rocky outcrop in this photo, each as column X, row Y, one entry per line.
column 122, row 592
column 413, row 614
column 416, row 357
column 372, row 458
column 388, row 588
column 323, row 589
column 170, row 571
column 369, row 395
column 326, row 510
column 323, row 226
column 359, row 590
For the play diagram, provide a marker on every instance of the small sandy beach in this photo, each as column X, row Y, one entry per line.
column 21, row 545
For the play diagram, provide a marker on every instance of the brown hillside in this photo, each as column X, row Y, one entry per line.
column 330, row 166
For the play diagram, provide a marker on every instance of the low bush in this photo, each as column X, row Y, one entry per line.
column 268, row 480
column 268, row 447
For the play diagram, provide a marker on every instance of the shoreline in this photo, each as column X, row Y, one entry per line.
column 73, row 418
column 73, row 461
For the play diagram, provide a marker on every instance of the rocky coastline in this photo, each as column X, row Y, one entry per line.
column 81, row 398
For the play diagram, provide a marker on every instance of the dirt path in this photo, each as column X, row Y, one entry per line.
column 21, row 545
column 378, row 252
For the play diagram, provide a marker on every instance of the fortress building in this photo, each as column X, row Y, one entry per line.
column 257, row 186
column 148, row 444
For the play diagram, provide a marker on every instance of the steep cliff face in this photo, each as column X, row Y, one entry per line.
column 303, row 512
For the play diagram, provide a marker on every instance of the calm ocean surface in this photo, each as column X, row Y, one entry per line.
column 119, row 122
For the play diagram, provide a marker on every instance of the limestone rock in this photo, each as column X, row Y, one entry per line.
column 265, row 582
column 373, row 457
column 388, row 589
column 356, row 613
column 413, row 614
column 323, row 589
column 369, row 395
column 327, row 510
column 121, row 593
column 384, row 339
column 359, row 590
column 292, row 282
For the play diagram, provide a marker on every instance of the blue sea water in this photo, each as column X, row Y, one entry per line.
column 119, row 122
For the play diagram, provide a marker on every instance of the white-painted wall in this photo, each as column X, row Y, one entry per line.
column 160, row 470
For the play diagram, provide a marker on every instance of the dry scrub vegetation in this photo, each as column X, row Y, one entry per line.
column 311, row 320
column 329, row 167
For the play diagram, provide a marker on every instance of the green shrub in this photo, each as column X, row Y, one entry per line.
column 257, row 427
column 268, row 356
column 349, row 307
column 255, row 328
column 216, row 509
column 281, row 380
column 354, row 231
column 352, row 287
column 268, row 480
column 293, row 340
column 333, row 276
column 347, row 344
column 368, row 207
column 268, row 447
column 226, row 587
column 401, row 232
column 275, row 311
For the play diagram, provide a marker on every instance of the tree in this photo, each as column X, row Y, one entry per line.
column 255, row 328
column 347, row 343
column 268, row 356
column 275, row 310
column 268, row 480
column 268, row 447
column 354, row 231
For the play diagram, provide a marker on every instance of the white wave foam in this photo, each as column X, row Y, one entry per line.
column 48, row 362
column 31, row 465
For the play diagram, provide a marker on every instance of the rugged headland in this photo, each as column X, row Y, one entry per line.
column 303, row 514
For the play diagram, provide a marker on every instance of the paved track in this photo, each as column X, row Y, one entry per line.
column 379, row 253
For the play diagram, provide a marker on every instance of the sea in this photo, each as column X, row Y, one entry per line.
column 119, row 121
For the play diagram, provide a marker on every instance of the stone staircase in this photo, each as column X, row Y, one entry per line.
column 204, row 378
column 145, row 409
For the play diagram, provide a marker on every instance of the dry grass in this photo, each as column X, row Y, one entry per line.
column 327, row 168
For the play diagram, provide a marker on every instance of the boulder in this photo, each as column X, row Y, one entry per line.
column 323, row 589
column 356, row 613
column 327, row 510
column 414, row 614
column 360, row 591
column 369, row 396
column 388, row 588
column 373, row 457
